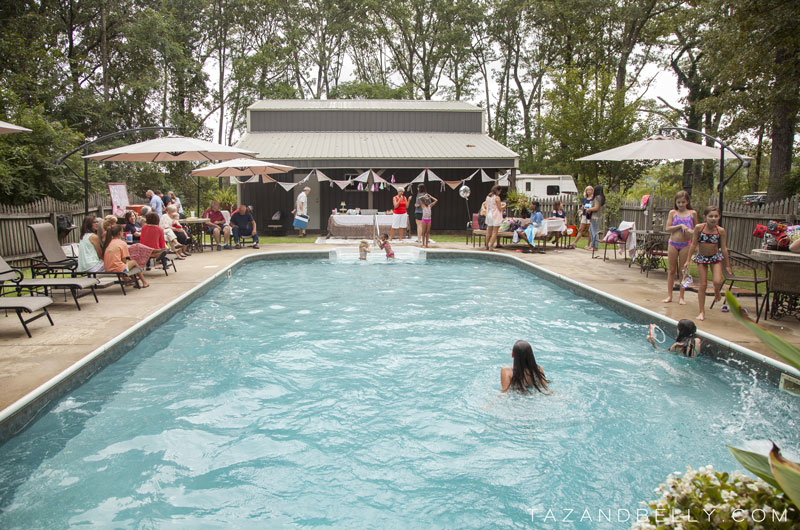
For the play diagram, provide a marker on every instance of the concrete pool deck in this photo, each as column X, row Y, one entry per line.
column 25, row 363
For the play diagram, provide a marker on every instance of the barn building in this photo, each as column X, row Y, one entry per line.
column 395, row 138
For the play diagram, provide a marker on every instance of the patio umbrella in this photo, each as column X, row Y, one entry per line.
column 656, row 148
column 171, row 149
column 10, row 128
column 239, row 167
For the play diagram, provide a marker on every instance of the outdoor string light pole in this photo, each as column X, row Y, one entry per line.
column 723, row 146
column 85, row 148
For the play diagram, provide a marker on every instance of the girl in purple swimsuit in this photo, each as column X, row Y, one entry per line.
column 680, row 224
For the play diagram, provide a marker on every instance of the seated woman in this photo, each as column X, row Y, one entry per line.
column 153, row 238
column 525, row 374
column 169, row 235
column 132, row 226
column 183, row 236
column 532, row 229
column 115, row 253
column 90, row 249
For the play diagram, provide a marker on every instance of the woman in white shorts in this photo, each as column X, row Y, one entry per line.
column 494, row 217
column 583, row 229
column 399, row 213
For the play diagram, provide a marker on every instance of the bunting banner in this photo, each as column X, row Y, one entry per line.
column 485, row 177
column 321, row 177
column 247, row 179
column 419, row 178
column 473, row 174
column 399, row 186
column 341, row 183
column 453, row 183
column 288, row 185
column 433, row 176
column 503, row 180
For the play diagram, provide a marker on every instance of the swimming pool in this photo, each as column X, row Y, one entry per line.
column 331, row 392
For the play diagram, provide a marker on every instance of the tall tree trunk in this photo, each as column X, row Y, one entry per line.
column 759, row 153
column 104, row 49
column 784, row 120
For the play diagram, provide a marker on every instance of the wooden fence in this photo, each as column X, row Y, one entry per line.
column 738, row 218
column 17, row 244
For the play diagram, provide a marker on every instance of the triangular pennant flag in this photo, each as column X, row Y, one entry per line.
column 453, row 183
column 419, row 178
column 398, row 186
column 503, row 179
column 432, row 176
column 485, row 177
column 341, row 183
column 473, row 174
column 243, row 179
column 288, row 185
column 321, row 177
column 364, row 176
column 305, row 179
column 378, row 178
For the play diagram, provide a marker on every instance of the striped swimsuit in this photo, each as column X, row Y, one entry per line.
column 685, row 221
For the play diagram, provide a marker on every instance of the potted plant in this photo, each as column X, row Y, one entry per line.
column 517, row 203
column 226, row 197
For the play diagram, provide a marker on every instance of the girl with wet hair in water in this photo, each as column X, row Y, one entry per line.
column 525, row 374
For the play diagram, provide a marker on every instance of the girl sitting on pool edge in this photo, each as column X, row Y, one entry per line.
column 525, row 373
column 685, row 343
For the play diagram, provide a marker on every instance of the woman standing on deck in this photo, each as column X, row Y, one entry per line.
column 494, row 216
column 680, row 224
column 596, row 211
column 399, row 213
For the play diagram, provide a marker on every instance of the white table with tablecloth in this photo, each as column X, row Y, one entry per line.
column 359, row 226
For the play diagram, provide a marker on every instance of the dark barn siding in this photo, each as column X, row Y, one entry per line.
column 450, row 213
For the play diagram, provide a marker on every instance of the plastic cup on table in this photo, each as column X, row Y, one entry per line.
column 191, row 214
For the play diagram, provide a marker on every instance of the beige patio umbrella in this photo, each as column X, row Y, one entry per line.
column 10, row 128
column 656, row 148
column 171, row 149
column 238, row 167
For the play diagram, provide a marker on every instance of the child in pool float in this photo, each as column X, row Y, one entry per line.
column 710, row 241
column 363, row 249
column 386, row 246
column 685, row 343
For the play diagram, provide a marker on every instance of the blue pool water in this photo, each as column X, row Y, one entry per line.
column 366, row 395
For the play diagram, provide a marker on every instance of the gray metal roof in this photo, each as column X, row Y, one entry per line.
column 362, row 104
column 374, row 145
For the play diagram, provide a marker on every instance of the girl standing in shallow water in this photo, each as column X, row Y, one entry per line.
column 680, row 224
column 710, row 241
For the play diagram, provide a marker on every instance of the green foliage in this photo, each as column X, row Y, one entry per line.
column 518, row 202
column 28, row 160
column 226, row 196
column 362, row 90
column 705, row 499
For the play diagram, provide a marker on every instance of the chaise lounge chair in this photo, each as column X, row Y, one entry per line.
column 27, row 304
column 9, row 274
column 53, row 261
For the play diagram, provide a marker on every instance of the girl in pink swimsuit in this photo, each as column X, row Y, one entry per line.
column 680, row 225
column 386, row 246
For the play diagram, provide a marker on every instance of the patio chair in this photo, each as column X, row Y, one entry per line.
column 626, row 228
column 784, row 289
column 27, row 304
column 743, row 261
column 53, row 261
column 17, row 281
column 106, row 278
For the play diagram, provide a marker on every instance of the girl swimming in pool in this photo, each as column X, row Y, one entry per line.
column 386, row 246
column 710, row 241
column 680, row 224
column 685, row 343
column 363, row 249
column 525, row 373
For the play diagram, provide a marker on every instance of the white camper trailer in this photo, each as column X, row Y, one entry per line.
column 542, row 186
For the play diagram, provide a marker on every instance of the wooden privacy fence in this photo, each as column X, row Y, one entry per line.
column 739, row 219
column 17, row 244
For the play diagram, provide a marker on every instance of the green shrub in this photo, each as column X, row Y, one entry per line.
column 705, row 499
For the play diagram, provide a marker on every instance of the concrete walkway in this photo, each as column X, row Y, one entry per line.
column 27, row 363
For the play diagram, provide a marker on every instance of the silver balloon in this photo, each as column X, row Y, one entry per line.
column 464, row 191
